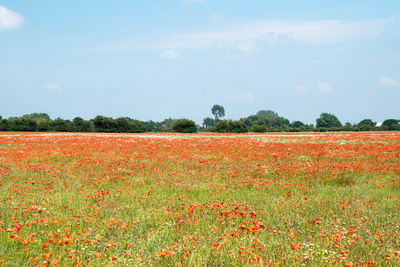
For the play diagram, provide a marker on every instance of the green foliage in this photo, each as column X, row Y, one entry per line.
column 349, row 127
column 104, row 124
column 297, row 124
column 3, row 124
column 218, row 112
column 60, row 125
column 268, row 118
column 37, row 116
column 184, row 126
column 110, row 125
column 229, row 126
column 208, row 122
column 262, row 121
column 122, row 125
column 20, row 124
column 137, row 126
column 366, row 125
column 80, row 125
column 327, row 120
column 391, row 125
column 259, row 128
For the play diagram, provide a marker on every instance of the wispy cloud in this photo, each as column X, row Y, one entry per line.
column 169, row 54
column 249, row 36
column 53, row 87
column 389, row 82
column 270, row 32
column 242, row 97
column 9, row 19
column 324, row 88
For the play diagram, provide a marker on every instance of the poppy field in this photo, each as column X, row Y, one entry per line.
column 204, row 199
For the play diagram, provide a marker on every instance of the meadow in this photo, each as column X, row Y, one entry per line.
column 200, row 199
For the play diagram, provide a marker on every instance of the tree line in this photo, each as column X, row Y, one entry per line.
column 262, row 121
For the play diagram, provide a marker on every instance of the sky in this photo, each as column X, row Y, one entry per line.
column 150, row 60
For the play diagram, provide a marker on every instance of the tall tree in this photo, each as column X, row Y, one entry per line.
column 218, row 112
column 327, row 120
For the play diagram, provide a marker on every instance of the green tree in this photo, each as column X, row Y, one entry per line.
column 81, row 125
column 3, row 124
column 42, row 121
column 208, row 122
column 166, row 125
column 349, row 127
column 136, row 126
column 327, row 120
column 366, row 125
column 267, row 114
column 391, row 125
column 122, row 125
column 104, row 124
column 60, row 125
column 297, row 124
column 218, row 112
column 259, row 128
column 228, row 126
column 37, row 116
column 270, row 119
column 151, row 126
column 184, row 126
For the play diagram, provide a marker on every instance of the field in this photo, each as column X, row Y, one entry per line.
column 206, row 199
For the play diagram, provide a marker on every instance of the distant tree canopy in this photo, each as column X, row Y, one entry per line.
column 327, row 120
column 267, row 118
column 184, row 126
column 80, row 125
column 262, row 121
column 297, row 124
column 366, row 125
column 391, row 125
column 229, row 126
column 119, row 125
column 218, row 112
column 208, row 122
column 37, row 116
column 259, row 128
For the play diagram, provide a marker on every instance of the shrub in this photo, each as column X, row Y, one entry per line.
column 184, row 126
column 230, row 127
column 259, row 128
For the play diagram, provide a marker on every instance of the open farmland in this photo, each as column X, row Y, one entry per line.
column 204, row 199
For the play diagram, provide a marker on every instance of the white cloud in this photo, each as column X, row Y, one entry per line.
column 325, row 88
column 242, row 97
column 169, row 54
column 271, row 32
column 388, row 81
column 53, row 87
column 253, row 35
column 301, row 89
column 9, row 19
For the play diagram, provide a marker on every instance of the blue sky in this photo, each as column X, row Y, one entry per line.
column 177, row 58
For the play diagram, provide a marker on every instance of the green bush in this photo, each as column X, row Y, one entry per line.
column 226, row 126
column 258, row 128
column 184, row 126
